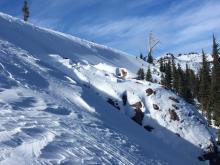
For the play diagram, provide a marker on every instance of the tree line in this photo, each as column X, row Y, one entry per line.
column 203, row 86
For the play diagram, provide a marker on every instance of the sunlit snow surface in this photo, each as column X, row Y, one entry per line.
column 53, row 96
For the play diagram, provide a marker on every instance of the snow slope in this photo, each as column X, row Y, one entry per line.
column 61, row 103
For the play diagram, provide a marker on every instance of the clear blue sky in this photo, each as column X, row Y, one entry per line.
column 181, row 25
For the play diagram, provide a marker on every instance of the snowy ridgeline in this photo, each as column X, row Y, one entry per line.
column 65, row 100
column 193, row 60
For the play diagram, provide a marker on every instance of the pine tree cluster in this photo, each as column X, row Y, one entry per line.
column 142, row 76
column 204, row 86
column 180, row 81
column 149, row 58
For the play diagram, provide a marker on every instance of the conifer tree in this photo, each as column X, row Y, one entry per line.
column 140, row 74
column 163, row 82
column 193, row 83
column 188, row 93
column 204, row 86
column 168, row 75
column 149, row 75
column 174, row 76
column 181, row 88
column 25, row 11
column 150, row 58
column 215, row 83
column 141, row 56
column 161, row 65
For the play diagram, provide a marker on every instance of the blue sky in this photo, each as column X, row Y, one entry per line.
column 181, row 25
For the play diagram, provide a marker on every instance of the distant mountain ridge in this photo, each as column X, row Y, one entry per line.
column 193, row 60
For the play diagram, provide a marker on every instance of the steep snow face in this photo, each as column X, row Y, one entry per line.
column 62, row 102
column 193, row 60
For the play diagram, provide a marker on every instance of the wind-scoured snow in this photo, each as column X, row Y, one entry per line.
column 54, row 96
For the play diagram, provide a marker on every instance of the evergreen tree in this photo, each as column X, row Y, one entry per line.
column 181, row 85
column 150, row 58
column 174, row 76
column 193, row 83
column 141, row 56
column 168, row 75
column 161, row 65
column 140, row 74
column 215, row 83
column 163, row 82
column 188, row 93
column 25, row 11
column 148, row 75
column 204, row 86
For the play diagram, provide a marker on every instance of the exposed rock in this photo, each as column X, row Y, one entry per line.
column 121, row 72
column 212, row 155
column 173, row 115
column 165, row 88
column 114, row 103
column 175, row 106
column 149, row 91
column 148, row 128
column 138, row 82
column 178, row 134
column 174, row 99
column 137, row 105
column 124, row 98
column 124, row 72
column 190, row 114
column 85, row 85
column 139, row 115
column 156, row 107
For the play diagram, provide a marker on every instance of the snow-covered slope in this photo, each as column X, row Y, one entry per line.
column 69, row 101
column 193, row 60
